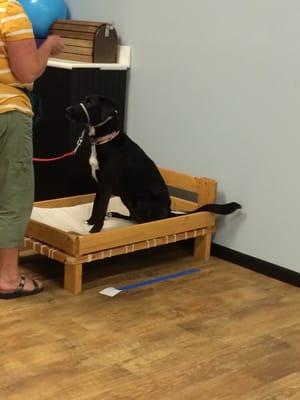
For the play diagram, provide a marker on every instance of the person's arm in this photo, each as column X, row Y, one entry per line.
column 26, row 61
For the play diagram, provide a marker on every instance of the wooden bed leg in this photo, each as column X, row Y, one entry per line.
column 202, row 247
column 73, row 278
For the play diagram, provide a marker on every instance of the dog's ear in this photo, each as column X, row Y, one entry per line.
column 107, row 103
column 109, row 109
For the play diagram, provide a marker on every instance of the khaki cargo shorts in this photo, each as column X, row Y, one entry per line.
column 16, row 177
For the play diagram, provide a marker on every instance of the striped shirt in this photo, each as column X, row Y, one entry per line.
column 14, row 25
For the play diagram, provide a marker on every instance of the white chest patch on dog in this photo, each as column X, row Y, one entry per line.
column 94, row 163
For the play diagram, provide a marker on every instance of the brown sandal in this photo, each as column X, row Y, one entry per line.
column 20, row 292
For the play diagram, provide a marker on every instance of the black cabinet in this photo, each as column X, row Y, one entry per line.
column 54, row 135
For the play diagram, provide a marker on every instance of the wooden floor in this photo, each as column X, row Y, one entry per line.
column 225, row 333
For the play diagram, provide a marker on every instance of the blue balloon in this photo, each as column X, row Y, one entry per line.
column 43, row 13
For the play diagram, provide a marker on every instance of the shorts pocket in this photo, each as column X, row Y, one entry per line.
column 17, row 192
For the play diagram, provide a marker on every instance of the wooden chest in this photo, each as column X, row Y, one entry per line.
column 87, row 41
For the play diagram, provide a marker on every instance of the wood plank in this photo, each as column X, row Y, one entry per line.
column 179, row 180
column 185, row 323
column 137, row 233
column 53, row 236
column 202, row 247
column 66, row 201
column 286, row 388
column 74, row 57
column 133, row 247
column 59, row 255
column 73, row 278
column 178, row 204
column 48, row 251
column 172, row 178
column 76, row 27
column 73, row 35
column 78, row 42
column 205, row 188
column 26, row 252
column 77, row 50
column 80, row 22
column 207, row 191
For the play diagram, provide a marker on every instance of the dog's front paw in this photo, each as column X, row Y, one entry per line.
column 96, row 228
column 91, row 221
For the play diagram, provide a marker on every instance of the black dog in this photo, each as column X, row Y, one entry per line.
column 122, row 168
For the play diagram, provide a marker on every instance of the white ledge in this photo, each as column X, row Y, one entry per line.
column 122, row 64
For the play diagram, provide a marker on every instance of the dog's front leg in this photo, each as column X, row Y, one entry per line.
column 93, row 218
column 99, row 209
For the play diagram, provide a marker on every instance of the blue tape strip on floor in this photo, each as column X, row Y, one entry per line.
column 158, row 279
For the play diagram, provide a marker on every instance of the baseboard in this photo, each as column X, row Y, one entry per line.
column 257, row 265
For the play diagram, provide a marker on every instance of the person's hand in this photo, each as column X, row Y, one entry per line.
column 56, row 44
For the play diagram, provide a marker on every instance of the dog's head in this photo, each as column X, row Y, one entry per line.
column 97, row 111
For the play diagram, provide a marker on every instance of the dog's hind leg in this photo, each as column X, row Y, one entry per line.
column 150, row 211
column 118, row 215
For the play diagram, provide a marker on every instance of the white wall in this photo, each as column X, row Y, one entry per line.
column 214, row 90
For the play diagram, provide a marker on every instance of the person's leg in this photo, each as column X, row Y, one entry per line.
column 9, row 271
column 16, row 195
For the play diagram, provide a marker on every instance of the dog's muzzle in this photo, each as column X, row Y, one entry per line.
column 110, row 117
column 86, row 112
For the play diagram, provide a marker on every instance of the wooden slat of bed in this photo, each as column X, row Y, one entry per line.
column 141, row 232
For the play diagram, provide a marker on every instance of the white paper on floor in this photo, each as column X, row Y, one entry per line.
column 72, row 219
column 110, row 291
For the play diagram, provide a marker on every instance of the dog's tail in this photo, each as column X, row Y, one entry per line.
column 223, row 209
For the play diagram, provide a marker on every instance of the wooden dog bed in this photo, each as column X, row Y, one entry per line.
column 74, row 249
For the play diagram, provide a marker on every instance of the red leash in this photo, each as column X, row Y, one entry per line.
column 69, row 154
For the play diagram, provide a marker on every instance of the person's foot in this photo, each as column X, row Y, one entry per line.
column 22, row 287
